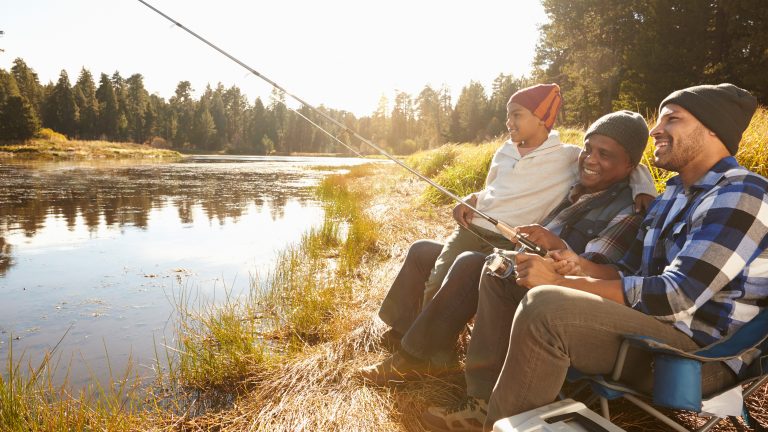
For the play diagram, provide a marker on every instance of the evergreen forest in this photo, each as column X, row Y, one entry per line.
column 605, row 55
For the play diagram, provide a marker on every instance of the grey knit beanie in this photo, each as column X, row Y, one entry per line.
column 724, row 109
column 627, row 128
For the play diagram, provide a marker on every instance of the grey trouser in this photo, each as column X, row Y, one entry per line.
column 462, row 240
column 424, row 270
column 532, row 346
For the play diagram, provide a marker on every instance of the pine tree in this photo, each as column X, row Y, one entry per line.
column 107, row 123
column 278, row 113
column 428, row 114
column 182, row 112
column 472, row 113
column 203, row 128
column 29, row 85
column 87, row 105
column 235, row 105
column 136, row 107
column 219, row 114
column 402, row 120
column 18, row 121
column 121, row 94
column 257, row 127
column 60, row 111
column 380, row 122
column 8, row 86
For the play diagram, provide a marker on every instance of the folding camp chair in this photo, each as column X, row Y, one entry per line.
column 677, row 374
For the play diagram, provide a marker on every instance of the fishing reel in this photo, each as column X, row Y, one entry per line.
column 501, row 263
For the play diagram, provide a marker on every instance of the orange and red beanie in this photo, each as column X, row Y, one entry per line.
column 543, row 100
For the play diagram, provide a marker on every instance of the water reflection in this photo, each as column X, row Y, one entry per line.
column 5, row 256
column 108, row 248
column 126, row 195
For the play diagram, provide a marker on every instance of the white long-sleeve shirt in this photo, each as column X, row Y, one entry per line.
column 522, row 190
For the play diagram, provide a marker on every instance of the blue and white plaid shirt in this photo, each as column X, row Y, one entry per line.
column 700, row 260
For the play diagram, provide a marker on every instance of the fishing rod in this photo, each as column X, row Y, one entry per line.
column 334, row 137
column 505, row 229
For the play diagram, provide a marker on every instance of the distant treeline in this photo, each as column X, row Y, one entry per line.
column 222, row 119
column 606, row 55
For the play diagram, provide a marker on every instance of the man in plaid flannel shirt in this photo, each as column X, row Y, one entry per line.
column 697, row 271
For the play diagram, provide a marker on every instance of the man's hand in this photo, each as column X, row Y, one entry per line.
column 542, row 237
column 642, row 202
column 567, row 262
column 463, row 214
column 533, row 270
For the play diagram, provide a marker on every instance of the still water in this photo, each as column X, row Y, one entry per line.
column 102, row 251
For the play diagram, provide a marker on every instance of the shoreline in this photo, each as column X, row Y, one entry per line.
column 57, row 149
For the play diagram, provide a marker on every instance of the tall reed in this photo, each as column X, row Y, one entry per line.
column 32, row 399
column 462, row 173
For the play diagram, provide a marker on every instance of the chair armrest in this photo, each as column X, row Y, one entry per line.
column 753, row 334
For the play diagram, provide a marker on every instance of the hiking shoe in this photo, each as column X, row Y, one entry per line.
column 399, row 368
column 468, row 415
column 390, row 340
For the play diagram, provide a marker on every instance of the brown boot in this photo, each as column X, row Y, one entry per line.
column 390, row 340
column 399, row 368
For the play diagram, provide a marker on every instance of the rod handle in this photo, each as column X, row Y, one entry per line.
column 513, row 235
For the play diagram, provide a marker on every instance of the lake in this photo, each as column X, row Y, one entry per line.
column 103, row 251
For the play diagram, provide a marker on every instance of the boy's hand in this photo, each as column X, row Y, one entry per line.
column 463, row 214
column 642, row 202
column 542, row 237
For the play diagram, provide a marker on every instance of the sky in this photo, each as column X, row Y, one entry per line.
column 344, row 54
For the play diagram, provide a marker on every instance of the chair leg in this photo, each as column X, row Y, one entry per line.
column 604, row 408
column 591, row 399
column 656, row 413
column 573, row 393
column 709, row 424
column 755, row 385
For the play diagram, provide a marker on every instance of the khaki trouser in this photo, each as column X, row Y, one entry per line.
column 555, row 328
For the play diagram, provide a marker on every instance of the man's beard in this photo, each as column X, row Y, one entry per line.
column 682, row 150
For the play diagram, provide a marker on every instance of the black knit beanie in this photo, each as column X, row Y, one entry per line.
column 724, row 109
column 627, row 128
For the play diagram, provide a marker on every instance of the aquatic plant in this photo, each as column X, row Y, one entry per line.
column 35, row 398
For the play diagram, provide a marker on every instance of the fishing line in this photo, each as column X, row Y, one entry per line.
column 324, row 131
column 473, row 232
column 505, row 229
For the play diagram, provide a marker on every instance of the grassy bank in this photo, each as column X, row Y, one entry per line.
column 50, row 145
